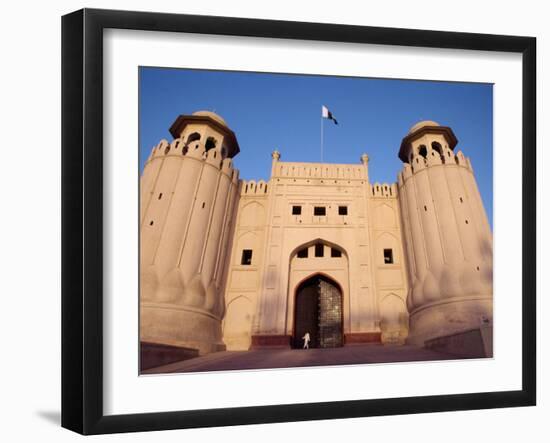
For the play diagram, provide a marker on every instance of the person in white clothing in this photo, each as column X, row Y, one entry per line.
column 306, row 339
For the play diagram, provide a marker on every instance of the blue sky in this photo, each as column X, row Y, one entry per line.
column 283, row 112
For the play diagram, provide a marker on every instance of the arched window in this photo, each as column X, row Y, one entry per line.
column 423, row 151
column 210, row 143
column 437, row 147
column 193, row 137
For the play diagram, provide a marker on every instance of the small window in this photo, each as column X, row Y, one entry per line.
column 342, row 210
column 335, row 252
column 296, row 210
column 151, row 223
column 160, row 195
column 388, row 256
column 319, row 210
column 302, row 253
column 203, row 203
column 246, row 258
column 319, row 250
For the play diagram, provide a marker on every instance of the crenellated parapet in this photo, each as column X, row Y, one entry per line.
column 383, row 190
column 419, row 162
column 319, row 170
column 253, row 188
column 194, row 149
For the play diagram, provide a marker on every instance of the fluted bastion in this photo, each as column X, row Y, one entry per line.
column 447, row 235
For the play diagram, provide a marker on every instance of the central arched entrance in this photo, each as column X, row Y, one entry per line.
column 318, row 310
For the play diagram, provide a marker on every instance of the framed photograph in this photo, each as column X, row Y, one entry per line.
column 269, row 221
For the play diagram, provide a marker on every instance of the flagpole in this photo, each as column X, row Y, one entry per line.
column 321, row 138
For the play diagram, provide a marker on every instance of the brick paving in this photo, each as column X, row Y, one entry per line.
column 290, row 358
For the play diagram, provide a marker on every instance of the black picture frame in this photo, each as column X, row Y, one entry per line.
column 82, row 218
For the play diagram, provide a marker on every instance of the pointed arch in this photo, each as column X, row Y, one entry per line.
column 384, row 216
column 237, row 323
column 252, row 214
column 318, row 312
column 393, row 318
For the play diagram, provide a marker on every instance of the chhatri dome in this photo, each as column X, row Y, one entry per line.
column 422, row 124
column 212, row 115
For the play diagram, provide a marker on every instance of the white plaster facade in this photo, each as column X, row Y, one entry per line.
column 222, row 259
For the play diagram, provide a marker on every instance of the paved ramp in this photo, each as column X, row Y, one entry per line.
column 292, row 358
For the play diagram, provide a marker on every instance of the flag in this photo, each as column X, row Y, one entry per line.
column 325, row 113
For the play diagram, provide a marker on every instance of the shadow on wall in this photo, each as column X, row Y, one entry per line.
column 487, row 251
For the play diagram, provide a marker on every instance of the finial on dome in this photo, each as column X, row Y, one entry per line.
column 365, row 159
column 275, row 155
